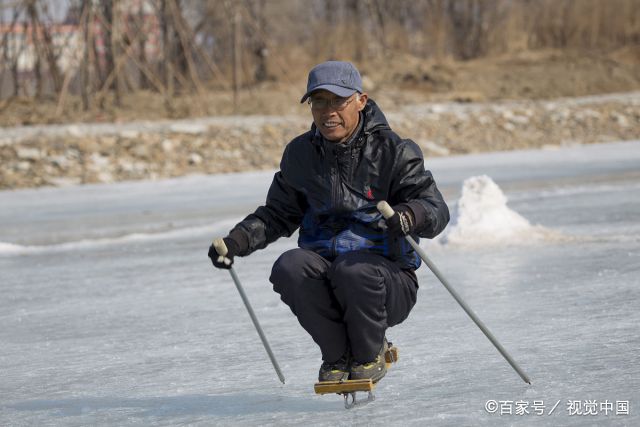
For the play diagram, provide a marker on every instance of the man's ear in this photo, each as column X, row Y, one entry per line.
column 362, row 101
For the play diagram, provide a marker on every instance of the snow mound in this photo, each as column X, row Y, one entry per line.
column 483, row 217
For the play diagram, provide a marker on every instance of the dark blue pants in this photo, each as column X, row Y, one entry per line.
column 345, row 304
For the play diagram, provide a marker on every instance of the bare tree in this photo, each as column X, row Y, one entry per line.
column 168, row 55
column 11, row 52
column 87, row 18
column 108, row 39
column 258, row 41
column 142, row 28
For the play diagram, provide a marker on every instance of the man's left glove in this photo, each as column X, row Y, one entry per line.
column 236, row 243
column 402, row 222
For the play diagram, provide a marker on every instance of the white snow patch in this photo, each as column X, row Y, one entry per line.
column 483, row 218
column 218, row 228
column 10, row 248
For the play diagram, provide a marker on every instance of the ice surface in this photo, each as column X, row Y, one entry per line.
column 111, row 313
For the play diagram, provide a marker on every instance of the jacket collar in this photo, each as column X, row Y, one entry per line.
column 374, row 119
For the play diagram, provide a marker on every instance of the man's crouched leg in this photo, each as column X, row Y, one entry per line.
column 374, row 294
column 300, row 277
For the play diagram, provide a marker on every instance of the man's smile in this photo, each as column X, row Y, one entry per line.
column 331, row 124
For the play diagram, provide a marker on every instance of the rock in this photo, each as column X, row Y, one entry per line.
column 620, row 119
column 130, row 167
column 60, row 161
column 140, row 150
column 195, row 159
column 519, row 119
column 23, row 166
column 106, row 144
column 167, row 145
column 434, row 147
column 129, row 134
column 26, row 153
column 72, row 153
column 98, row 162
column 485, row 119
column 105, row 177
column 509, row 127
column 64, row 181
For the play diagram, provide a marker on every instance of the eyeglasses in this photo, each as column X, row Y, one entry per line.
column 338, row 104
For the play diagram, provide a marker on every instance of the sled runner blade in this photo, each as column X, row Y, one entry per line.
column 350, row 400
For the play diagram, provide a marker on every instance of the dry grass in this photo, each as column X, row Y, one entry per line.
column 486, row 49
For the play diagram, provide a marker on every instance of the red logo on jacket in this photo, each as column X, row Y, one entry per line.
column 369, row 192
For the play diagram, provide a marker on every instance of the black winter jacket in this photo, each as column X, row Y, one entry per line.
column 330, row 192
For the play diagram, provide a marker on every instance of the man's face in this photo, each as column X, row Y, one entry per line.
column 336, row 118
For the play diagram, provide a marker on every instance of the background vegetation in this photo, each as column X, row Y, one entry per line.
column 174, row 58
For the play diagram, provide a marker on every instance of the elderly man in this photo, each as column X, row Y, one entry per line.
column 353, row 275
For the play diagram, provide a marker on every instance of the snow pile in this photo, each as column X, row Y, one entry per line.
column 483, row 217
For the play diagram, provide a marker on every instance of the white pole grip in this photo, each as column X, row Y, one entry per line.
column 386, row 210
column 221, row 248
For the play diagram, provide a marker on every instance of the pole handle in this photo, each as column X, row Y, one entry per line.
column 221, row 248
column 386, row 210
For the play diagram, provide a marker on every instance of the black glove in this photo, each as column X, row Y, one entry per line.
column 402, row 222
column 237, row 243
column 232, row 250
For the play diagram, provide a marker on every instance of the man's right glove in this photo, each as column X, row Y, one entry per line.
column 236, row 243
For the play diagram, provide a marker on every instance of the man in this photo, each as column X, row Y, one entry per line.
column 353, row 275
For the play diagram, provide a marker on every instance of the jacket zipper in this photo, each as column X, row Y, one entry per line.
column 334, row 195
column 336, row 182
column 334, row 247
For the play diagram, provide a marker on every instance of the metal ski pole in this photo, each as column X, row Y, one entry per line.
column 221, row 248
column 387, row 211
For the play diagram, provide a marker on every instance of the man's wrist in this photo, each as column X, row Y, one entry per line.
column 419, row 214
column 239, row 240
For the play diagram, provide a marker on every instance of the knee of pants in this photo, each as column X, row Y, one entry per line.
column 294, row 267
column 282, row 272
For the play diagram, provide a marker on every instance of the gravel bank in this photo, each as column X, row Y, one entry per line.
column 86, row 153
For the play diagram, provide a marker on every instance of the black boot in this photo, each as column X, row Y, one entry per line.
column 375, row 370
column 335, row 371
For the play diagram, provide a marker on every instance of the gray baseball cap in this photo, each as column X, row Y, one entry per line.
column 341, row 78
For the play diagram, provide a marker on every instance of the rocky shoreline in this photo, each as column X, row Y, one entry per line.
column 78, row 154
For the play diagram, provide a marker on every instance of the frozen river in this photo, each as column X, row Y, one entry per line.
column 112, row 314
